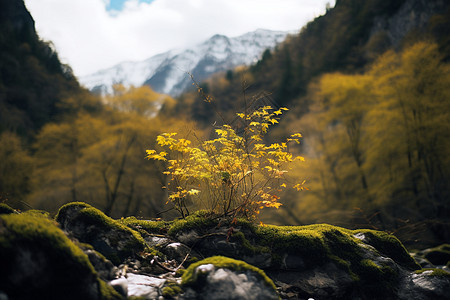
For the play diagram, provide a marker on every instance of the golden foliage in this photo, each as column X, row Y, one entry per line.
column 231, row 174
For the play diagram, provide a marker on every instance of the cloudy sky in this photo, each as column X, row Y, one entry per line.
column 95, row 34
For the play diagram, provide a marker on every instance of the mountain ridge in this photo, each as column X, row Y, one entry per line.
column 167, row 72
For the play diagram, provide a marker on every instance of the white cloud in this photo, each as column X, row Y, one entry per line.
column 89, row 38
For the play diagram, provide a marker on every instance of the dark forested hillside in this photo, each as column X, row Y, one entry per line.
column 346, row 39
column 33, row 81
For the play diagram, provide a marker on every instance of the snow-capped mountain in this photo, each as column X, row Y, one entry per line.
column 167, row 72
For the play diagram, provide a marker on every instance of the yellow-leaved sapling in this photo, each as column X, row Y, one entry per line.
column 231, row 175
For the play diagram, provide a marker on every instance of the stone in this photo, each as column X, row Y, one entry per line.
column 327, row 282
column 177, row 251
column 424, row 286
column 120, row 285
column 224, row 278
column 305, row 262
column 144, row 286
column 38, row 261
column 104, row 267
column 109, row 237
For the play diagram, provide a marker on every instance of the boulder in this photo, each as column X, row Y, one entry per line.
column 223, row 278
column 243, row 261
column 108, row 236
column 425, row 284
column 148, row 287
column 38, row 261
column 315, row 261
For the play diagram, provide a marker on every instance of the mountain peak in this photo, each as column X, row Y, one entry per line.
column 166, row 72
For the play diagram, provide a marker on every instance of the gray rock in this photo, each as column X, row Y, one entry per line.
column 120, row 285
column 323, row 282
column 225, row 284
column 216, row 243
column 39, row 262
column 105, row 268
column 144, row 286
column 89, row 225
column 176, row 251
column 424, row 286
column 156, row 241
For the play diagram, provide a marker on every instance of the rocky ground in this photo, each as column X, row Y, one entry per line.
column 83, row 254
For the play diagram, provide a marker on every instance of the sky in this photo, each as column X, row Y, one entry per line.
column 91, row 35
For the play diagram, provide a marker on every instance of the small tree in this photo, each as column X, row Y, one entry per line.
column 232, row 175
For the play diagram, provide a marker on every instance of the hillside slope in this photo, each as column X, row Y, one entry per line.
column 347, row 38
column 32, row 79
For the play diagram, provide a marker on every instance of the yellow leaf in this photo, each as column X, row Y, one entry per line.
column 193, row 192
column 278, row 112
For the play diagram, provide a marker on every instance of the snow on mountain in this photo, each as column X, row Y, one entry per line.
column 167, row 72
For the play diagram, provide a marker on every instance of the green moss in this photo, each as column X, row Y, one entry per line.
column 107, row 292
column 305, row 241
column 375, row 274
column 198, row 221
column 390, row 246
column 155, row 227
column 435, row 272
column 96, row 217
column 100, row 219
column 251, row 249
column 180, row 272
column 318, row 244
column 190, row 276
column 76, row 205
column 68, row 268
column 37, row 213
column 6, row 209
column 42, row 232
column 171, row 290
column 97, row 220
column 85, row 246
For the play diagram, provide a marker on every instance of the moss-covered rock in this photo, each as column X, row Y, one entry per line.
column 171, row 290
column 108, row 236
column 37, row 213
column 39, row 262
column 221, row 277
column 151, row 227
column 425, row 284
column 350, row 260
column 6, row 209
column 433, row 272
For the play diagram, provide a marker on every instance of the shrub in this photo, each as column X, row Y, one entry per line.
column 231, row 175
